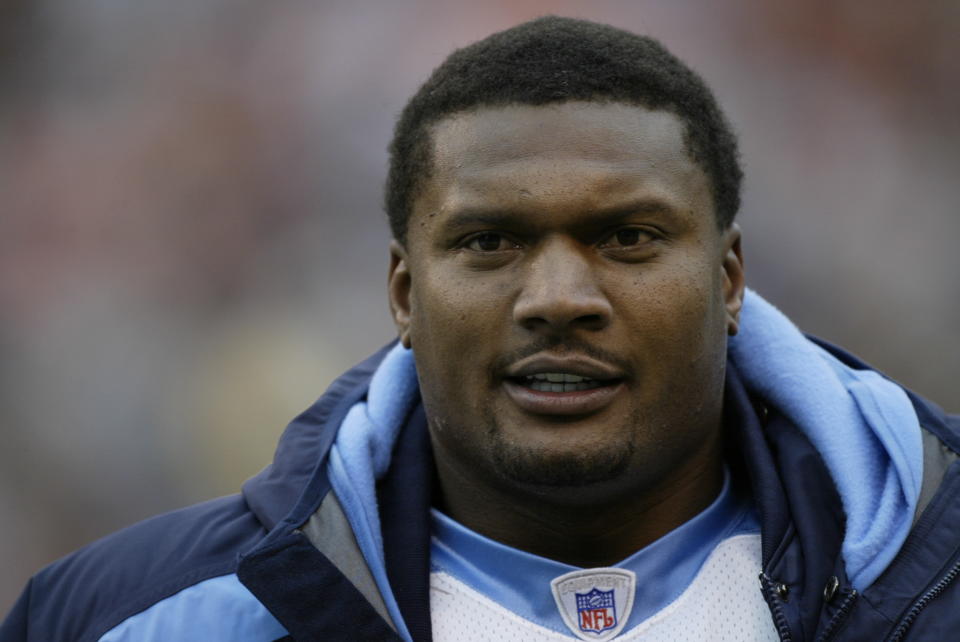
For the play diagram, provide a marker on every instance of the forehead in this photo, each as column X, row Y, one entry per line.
column 600, row 130
column 575, row 155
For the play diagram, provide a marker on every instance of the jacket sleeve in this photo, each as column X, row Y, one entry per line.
column 15, row 628
column 83, row 596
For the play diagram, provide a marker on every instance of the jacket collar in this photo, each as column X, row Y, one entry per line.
column 801, row 515
column 300, row 458
column 301, row 586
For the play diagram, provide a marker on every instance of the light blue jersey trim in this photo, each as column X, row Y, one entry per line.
column 216, row 610
column 520, row 581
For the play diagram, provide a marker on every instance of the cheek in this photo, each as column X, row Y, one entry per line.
column 457, row 309
column 455, row 328
column 438, row 307
column 677, row 310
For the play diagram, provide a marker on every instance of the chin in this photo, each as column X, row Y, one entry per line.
column 543, row 467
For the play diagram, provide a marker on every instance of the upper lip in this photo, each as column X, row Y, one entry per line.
column 578, row 365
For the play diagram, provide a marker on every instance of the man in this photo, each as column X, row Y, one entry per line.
column 566, row 442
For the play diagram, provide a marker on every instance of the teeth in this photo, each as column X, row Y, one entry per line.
column 559, row 377
column 546, row 386
column 560, row 382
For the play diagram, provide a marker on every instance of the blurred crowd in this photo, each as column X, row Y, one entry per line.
column 192, row 243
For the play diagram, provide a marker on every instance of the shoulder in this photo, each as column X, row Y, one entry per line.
column 91, row 591
column 915, row 598
column 932, row 418
column 140, row 578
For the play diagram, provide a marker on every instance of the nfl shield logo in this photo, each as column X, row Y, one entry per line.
column 597, row 610
column 595, row 603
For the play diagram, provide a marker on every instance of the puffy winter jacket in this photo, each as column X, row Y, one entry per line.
column 279, row 560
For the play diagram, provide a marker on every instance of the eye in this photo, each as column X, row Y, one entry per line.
column 488, row 242
column 628, row 237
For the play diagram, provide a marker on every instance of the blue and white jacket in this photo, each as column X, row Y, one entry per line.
column 284, row 559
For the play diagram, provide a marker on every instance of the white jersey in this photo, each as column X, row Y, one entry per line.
column 722, row 603
column 698, row 582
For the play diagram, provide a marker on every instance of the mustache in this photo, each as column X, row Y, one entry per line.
column 560, row 347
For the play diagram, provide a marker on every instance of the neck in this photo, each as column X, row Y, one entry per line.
column 584, row 527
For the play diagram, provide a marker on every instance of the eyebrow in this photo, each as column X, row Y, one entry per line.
column 470, row 217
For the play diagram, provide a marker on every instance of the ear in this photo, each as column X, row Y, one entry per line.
column 398, row 287
column 733, row 277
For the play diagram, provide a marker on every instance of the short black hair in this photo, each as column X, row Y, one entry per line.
column 554, row 60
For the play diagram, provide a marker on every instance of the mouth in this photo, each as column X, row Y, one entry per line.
column 562, row 387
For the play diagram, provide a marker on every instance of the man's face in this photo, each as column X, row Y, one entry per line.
column 567, row 296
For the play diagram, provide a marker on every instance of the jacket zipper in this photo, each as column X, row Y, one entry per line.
column 922, row 603
column 779, row 619
column 839, row 616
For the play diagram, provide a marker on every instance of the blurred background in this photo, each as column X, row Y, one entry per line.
column 192, row 243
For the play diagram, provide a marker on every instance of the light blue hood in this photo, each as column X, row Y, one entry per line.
column 863, row 425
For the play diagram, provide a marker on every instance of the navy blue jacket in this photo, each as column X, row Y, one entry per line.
column 278, row 561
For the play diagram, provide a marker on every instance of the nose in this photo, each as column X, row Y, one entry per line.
column 560, row 293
